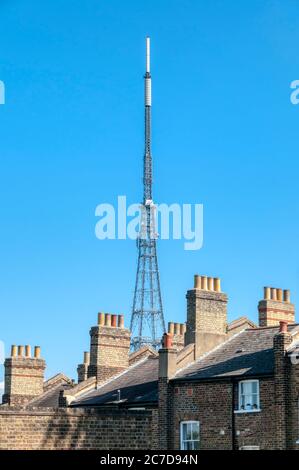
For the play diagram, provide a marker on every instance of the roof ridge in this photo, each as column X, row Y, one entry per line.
column 270, row 327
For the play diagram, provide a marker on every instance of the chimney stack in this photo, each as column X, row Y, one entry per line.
column 82, row 369
column 109, row 347
column 206, row 314
column 167, row 358
column 275, row 307
column 24, row 375
column 177, row 330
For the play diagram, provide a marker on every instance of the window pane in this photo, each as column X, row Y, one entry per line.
column 242, row 402
column 246, row 388
column 188, row 445
column 190, row 435
column 195, row 431
column 189, row 432
column 249, row 396
column 184, row 431
column 255, row 401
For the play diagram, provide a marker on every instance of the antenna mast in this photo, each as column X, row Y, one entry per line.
column 147, row 320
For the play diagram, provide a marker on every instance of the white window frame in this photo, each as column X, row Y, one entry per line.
column 182, row 423
column 256, row 410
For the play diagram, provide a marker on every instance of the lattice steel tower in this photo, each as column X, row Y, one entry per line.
column 147, row 320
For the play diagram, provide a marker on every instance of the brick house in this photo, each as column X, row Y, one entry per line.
column 212, row 385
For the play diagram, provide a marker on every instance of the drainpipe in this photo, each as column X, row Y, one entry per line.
column 233, row 424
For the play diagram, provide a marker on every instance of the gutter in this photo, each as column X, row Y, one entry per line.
column 228, row 378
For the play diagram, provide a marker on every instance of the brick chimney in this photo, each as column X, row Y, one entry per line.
column 82, row 369
column 167, row 357
column 177, row 330
column 275, row 307
column 24, row 375
column 167, row 369
column 206, row 314
column 109, row 347
column 281, row 342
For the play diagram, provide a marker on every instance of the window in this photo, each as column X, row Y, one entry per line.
column 249, row 396
column 189, row 435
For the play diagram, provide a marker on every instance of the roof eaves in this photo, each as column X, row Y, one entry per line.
column 222, row 378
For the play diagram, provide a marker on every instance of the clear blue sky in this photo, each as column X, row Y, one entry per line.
column 71, row 136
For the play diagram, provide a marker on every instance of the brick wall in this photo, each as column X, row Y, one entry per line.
column 75, row 429
column 258, row 429
column 293, row 409
column 208, row 403
column 213, row 405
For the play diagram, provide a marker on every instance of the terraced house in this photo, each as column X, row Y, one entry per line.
column 212, row 385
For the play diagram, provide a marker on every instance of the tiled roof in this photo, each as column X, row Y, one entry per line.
column 248, row 353
column 138, row 385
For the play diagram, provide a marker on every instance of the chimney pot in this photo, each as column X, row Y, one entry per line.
column 86, row 357
column 182, row 329
column 204, row 283
column 197, row 281
column 217, row 284
column 283, row 327
column 114, row 321
column 14, row 350
column 210, row 283
column 279, row 295
column 27, row 350
column 101, row 319
column 167, row 341
column 37, row 352
column 121, row 321
column 286, row 296
column 267, row 293
column 171, row 327
column 273, row 293
column 177, row 328
column 20, row 351
column 107, row 319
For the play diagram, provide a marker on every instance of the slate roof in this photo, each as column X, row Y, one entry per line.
column 248, row 353
column 50, row 398
column 138, row 386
